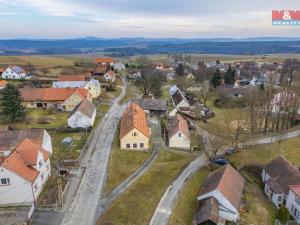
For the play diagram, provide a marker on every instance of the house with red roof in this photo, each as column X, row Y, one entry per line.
column 134, row 130
column 3, row 84
column 105, row 61
column 178, row 133
column 293, row 202
column 24, row 173
column 64, row 99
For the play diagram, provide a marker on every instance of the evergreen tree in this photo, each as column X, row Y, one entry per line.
column 11, row 103
column 180, row 70
column 216, row 79
column 229, row 76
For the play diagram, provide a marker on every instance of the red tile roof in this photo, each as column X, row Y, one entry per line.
column 228, row 181
column 134, row 117
column 295, row 189
column 104, row 60
column 71, row 77
column 51, row 94
column 22, row 160
column 2, row 69
column 3, row 83
column 178, row 124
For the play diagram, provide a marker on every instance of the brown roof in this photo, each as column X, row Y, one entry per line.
column 208, row 211
column 100, row 69
column 134, row 117
column 178, row 97
column 153, row 104
column 104, row 60
column 282, row 173
column 10, row 139
column 51, row 94
column 22, row 160
column 85, row 107
column 71, row 78
column 228, row 181
column 176, row 124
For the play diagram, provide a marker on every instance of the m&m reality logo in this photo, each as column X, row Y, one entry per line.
column 286, row 17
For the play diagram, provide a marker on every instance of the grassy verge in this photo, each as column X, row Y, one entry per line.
column 263, row 153
column 187, row 203
column 137, row 205
column 131, row 94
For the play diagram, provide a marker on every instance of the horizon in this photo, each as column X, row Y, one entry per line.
column 49, row 19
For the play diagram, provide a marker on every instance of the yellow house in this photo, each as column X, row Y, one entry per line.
column 134, row 130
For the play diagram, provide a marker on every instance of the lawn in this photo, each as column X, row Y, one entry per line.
column 40, row 118
column 186, row 204
column 109, row 95
column 62, row 151
column 137, row 205
column 131, row 93
column 264, row 153
column 122, row 164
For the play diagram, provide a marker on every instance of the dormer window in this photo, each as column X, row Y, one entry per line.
column 179, row 134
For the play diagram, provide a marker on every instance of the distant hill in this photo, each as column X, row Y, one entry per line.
column 134, row 46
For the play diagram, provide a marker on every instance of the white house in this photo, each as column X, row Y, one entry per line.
column 110, row 76
column 10, row 139
column 225, row 186
column 179, row 100
column 277, row 177
column 119, row 66
column 93, row 86
column 83, row 115
column 15, row 72
column 293, row 202
column 23, row 174
column 178, row 133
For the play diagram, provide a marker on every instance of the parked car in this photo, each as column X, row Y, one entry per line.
column 220, row 162
column 230, row 151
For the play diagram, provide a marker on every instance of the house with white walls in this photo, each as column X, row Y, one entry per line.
column 178, row 133
column 24, row 174
column 10, row 139
column 15, row 72
column 222, row 193
column 293, row 202
column 83, row 116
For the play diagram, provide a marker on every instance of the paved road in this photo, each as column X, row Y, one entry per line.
column 156, row 140
column 84, row 206
column 165, row 206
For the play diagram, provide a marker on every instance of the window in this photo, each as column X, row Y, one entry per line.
column 279, row 199
column 179, row 134
column 141, row 145
column 134, row 145
column 5, row 181
column 295, row 212
column 127, row 145
column 134, row 134
column 297, row 200
column 40, row 164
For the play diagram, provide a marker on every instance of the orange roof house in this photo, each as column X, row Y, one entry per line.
column 65, row 99
column 134, row 129
column 24, row 159
column 104, row 60
column 3, row 84
column 71, row 78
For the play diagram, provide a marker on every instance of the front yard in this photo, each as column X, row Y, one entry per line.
column 137, row 205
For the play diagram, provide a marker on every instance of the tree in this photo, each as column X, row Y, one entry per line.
column 150, row 80
column 204, row 92
column 229, row 76
column 11, row 103
column 283, row 214
column 216, row 79
column 180, row 70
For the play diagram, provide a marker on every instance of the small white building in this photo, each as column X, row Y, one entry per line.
column 178, row 133
column 83, row 115
column 293, row 202
column 179, row 100
column 277, row 177
column 225, row 186
column 110, row 76
column 23, row 174
column 119, row 66
column 92, row 86
column 15, row 72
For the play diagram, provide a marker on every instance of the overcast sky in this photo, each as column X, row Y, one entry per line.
column 143, row 18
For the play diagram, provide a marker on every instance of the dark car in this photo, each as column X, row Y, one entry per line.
column 220, row 162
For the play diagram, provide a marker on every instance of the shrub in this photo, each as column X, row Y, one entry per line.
column 283, row 214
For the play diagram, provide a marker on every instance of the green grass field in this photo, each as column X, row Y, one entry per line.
column 136, row 206
column 38, row 61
